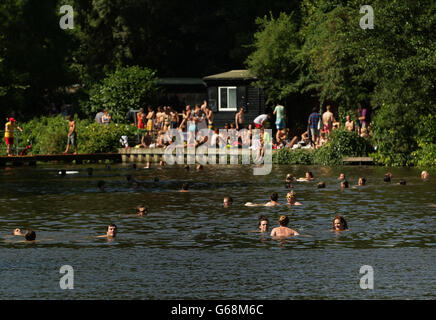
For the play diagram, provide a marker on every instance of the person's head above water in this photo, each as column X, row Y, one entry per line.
column 362, row 181
column 111, row 230
column 289, row 178
column 342, row 176
column 344, row 184
column 228, row 201
column 339, row 223
column 291, row 197
column 263, row 223
column 101, row 185
column 321, row 185
column 30, row 235
column 425, row 175
column 309, row 175
column 387, row 177
column 274, row 196
column 283, row 221
column 185, row 186
column 200, row 167
column 402, row 182
column 17, row 232
column 141, row 210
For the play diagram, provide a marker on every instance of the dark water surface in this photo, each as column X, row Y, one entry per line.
column 189, row 247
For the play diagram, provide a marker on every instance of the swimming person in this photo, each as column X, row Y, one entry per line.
column 339, row 224
column 111, row 232
column 292, row 200
column 30, row 235
column 342, row 176
column 185, row 188
column 101, row 185
column 425, row 175
column 141, row 210
column 344, row 184
column 272, row 203
column 321, row 185
column 361, row 181
column 402, row 182
column 283, row 231
column 17, row 232
column 308, row 177
column 227, row 202
column 387, row 177
column 288, row 180
column 263, row 224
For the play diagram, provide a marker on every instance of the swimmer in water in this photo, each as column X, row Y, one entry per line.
column 111, row 232
column 387, row 177
column 289, row 180
column 227, row 202
column 199, row 167
column 344, row 184
column 308, row 177
column 141, row 210
column 339, row 224
column 185, row 188
column 283, row 231
column 30, row 235
column 147, row 166
column 402, row 182
column 321, row 185
column 272, row 203
column 292, row 200
column 101, row 185
column 263, row 224
column 342, row 176
column 361, row 181
column 425, row 175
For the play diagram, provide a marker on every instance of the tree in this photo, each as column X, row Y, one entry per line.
column 127, row 87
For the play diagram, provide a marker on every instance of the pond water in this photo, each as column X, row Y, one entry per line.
column 190, row 247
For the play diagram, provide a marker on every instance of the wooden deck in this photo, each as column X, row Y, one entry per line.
column 357, row 160
column 64, row 158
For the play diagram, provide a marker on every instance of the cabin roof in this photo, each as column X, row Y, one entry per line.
column 181, row 81
column 231, row 75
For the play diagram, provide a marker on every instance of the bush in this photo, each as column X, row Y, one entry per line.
column 425, row 155
column 49, row 135
column 342, row 143
column 127, row 87
column 293, row 156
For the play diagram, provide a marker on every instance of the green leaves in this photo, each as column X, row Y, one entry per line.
column 127, row 87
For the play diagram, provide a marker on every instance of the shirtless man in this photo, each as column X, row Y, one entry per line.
column 141, row 210
column 272, row 203
column 239, row 119
column 9, row 133
column 283, row 231
column 327, row 120
column 72, row 136
column 30, row 235
column 292, row 200
column 111, row 232
column 349, row 124
column 209, row 114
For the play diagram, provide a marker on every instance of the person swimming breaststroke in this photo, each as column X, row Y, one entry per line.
column 227, row 202
column 339, row 224
column 272, row 203
column 308, row 177
column 283, row 231
column 292, row 200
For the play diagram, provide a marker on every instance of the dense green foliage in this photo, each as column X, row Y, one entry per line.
column 127, row 87
column 49, row 135
column 389, row 69
column 341, row 144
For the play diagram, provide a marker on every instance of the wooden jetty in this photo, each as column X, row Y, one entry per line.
column 64, row 158
column 357, row 160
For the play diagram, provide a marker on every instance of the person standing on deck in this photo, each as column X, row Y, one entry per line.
column 239, row 119
column 72, row 135
column 9, row 134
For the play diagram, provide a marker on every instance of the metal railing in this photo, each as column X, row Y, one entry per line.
column 16, row 149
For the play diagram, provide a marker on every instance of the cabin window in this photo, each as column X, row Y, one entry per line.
column 227, row 98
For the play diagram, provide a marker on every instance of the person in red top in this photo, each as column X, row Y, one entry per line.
column 141, row 118
column 9, row 134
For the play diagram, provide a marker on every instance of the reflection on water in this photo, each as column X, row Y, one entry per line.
column 207, row 251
